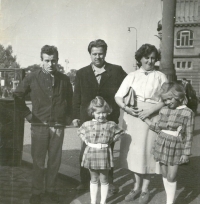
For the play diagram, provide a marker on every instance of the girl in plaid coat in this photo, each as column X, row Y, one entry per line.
column 98, row 134
column 175, row 131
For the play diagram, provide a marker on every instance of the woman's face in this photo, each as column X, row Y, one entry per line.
column 148, row 61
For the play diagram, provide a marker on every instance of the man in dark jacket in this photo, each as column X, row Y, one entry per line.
column 51, row 96
column 97, row 79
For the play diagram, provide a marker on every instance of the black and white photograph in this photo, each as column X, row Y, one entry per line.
column 99, row 101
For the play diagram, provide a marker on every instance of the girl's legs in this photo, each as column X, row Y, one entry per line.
column 94, row 174
column 169, row 180
column 104, row 185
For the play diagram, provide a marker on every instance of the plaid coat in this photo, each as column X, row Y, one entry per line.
column 168, row 149
column 94, row 132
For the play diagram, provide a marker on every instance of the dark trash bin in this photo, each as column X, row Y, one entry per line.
column 11, row 122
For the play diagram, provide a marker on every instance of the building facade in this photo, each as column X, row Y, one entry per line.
column 187, row 42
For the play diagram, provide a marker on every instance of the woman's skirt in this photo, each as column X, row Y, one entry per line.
column 137, row 143
column 168, row 149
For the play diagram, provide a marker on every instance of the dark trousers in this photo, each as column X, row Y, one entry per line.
column 45, row 140
column 85, row 174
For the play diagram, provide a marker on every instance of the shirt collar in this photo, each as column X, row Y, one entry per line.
column 181, row 107
column 98, row 71
column 142, row 70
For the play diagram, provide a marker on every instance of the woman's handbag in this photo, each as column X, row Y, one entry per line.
column 129, row 98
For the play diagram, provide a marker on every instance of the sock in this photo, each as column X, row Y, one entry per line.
column 104, row 192
column 93, row 192
column 170, row 190
column 165, row 183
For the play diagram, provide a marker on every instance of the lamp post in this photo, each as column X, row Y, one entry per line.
column 129, row 30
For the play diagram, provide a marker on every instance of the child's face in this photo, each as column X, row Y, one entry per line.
column 100, row 115
column 172, row 103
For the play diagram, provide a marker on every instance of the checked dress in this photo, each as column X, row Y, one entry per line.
column 168, row 149
column 95, row 132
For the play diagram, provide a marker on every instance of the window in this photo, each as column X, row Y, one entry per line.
column 184, row 65
column 185, row 38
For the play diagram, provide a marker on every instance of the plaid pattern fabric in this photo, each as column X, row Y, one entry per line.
column 168, row 149
column 104, row 133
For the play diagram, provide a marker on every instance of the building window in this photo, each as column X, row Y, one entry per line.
column 184, row 65
column 185, row 38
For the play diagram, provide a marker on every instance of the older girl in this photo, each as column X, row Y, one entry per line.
column 98, row 134
column 175, row 130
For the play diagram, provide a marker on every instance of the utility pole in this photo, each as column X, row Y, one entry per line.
column 167, row 51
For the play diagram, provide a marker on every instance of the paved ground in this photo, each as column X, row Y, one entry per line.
column 15, row 182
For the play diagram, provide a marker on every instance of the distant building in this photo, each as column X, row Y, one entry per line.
column 187, row 42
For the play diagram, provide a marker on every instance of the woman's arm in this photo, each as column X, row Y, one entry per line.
column 122, row 105
column 147, row 112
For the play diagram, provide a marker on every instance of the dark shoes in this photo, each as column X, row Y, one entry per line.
column 53, row 196
column 113, row 189
column 144, row 198
column 132, row 195
column 35, row 199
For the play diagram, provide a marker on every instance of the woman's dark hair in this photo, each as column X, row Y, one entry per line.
column 97, row 43
column 49, row 50
column 144, row 51
column 98, row 102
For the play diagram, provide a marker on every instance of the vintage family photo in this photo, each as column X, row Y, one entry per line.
column 99, row 101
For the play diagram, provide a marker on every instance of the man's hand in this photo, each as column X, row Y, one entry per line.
column 184, row 159
column 29, row 117
column 76, row 122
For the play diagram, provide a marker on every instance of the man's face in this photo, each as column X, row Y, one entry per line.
column 49, row 62
column 98, row 56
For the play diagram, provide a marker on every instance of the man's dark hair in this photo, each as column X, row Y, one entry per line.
column 49, row 50
column 144, row 51
column 97, row 43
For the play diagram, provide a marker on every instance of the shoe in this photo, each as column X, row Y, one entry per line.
column 144, row 197
column 53, row 197
column 132, row 195
column 113, row 189
column 82, row 187
column 35, row 199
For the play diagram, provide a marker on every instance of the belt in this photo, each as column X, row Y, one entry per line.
column 97, row 146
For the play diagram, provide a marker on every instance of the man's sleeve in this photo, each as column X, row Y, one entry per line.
column 21, row 91
column 123, row 74
column 77, row 97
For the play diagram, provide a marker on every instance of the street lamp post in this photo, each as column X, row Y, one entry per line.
column 129, row 30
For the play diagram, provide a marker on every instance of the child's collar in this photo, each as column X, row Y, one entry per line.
column 181, row 107
column 97, row 120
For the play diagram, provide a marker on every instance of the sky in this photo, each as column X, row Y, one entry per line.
column 71, row 25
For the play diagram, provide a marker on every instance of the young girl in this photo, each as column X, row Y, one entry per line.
column 98, row 134
column 175, row 130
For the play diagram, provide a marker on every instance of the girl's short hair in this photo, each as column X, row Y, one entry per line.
column 173, row 90
column 98, row 102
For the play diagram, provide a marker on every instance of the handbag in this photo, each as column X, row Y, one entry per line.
column 129, row 98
